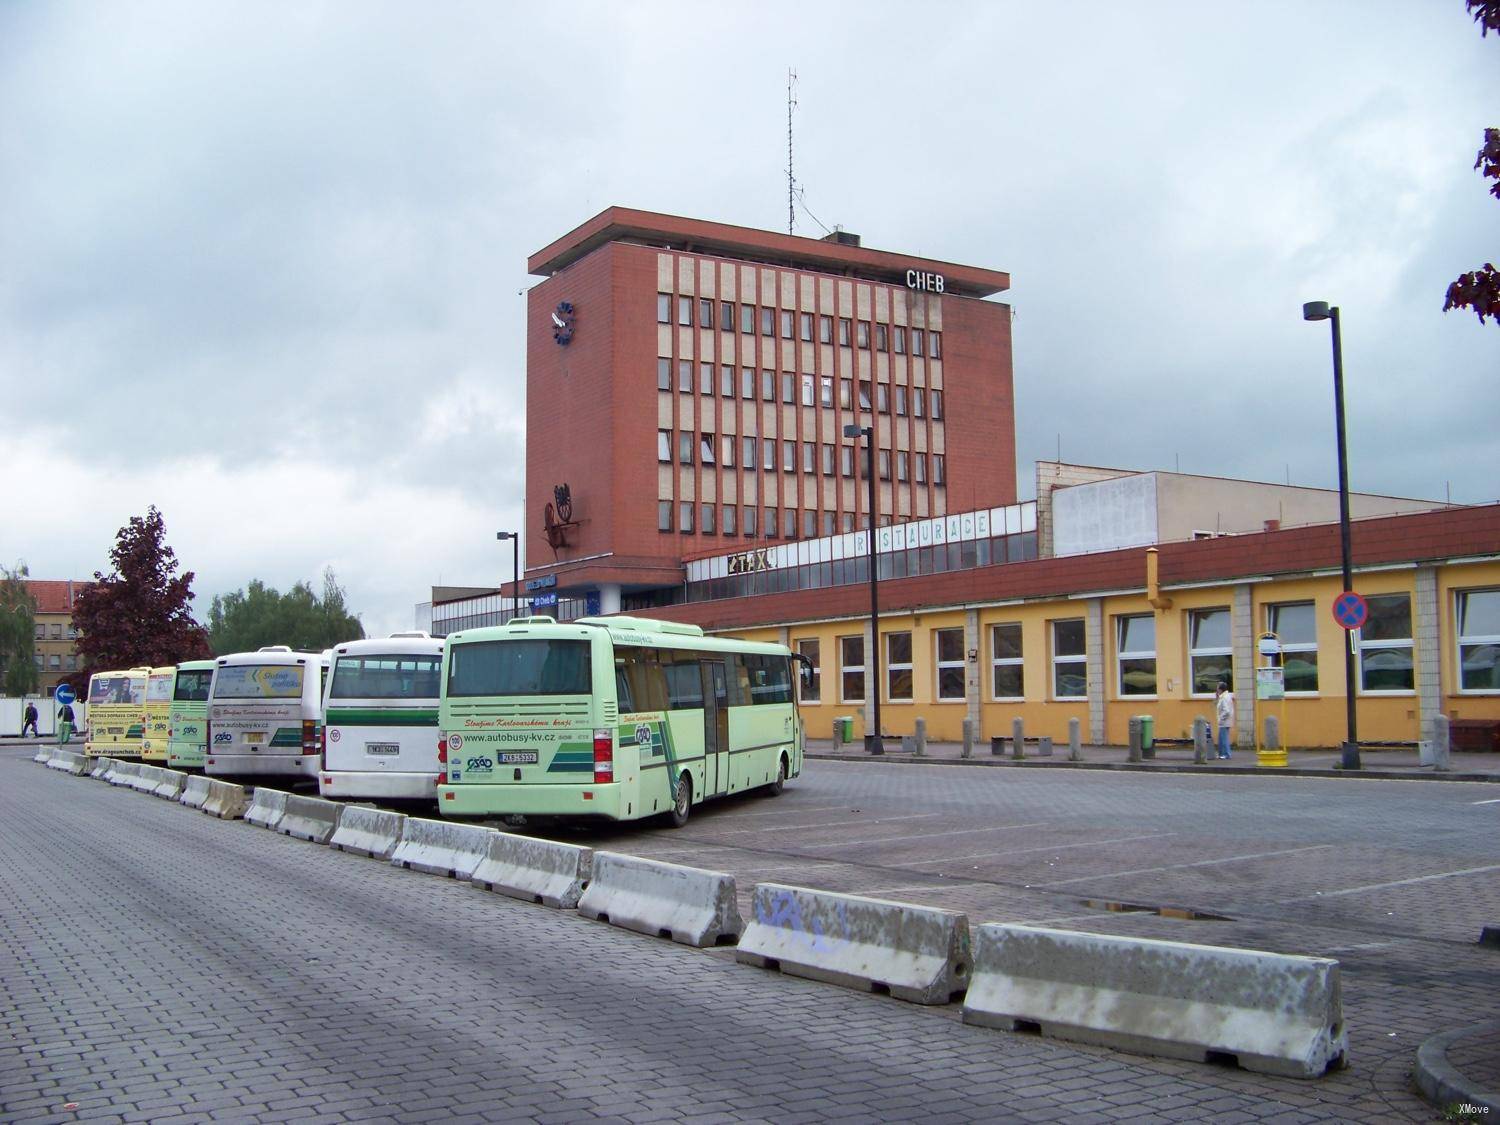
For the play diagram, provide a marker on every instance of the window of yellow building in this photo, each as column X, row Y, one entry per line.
column 950, row 665
column 1069, row 665
column 1208, row 650
column 1385, row 648
column 1007, row 669
column 851, row 669
column 1479, row 640
column 1135, row 651
column 898, row 667
column 1296, row 625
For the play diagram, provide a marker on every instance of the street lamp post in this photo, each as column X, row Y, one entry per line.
column 515, row 555
column 1322, row 310
column 873, row 742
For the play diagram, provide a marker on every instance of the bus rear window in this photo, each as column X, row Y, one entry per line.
column 520, row 667
column 117, row 689
column 192, row 687
column 386, row 677
column 159, row 689
column 259, row 681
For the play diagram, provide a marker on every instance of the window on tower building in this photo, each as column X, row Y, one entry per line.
column 726, row 380
column 885, row 464
column 664, row 515
column 706, row 448
column 685, row 376
column 788, row 388
column 864, row 394
column 706, row 513
column 882, row 398
column 900, row 401
column 919, row 467
column 747, row 451
column 726, row 450
column 846, row 460
column 768, row 454
column 809, row 457
column 805, row 326
column 939, row 469
column 935, row 345
column 788, row 456
column 828, row 467
column 729, row 517
column 825, row 391
column 685, row 447
column 664, row 374
column 937, row 406
column 880, row 338
column 767, row 322
column 747, row 318
column 749, row 523
column 768, row 386
column 808, row 390
column 918, row 338
column 705, row 378
column 864, row 334
column 789, row 523
column 825, row 329
column 786, row 324
column 747, row 382
column 900, row 341
column 664, row 445
column 664, row 308
column 726, row 316
column 846, row 394
column 705, row 313
column 846, row 326
column 903, row 466
column 685, row 311
column 918, row 402
column 809, row 524
column 685, row 517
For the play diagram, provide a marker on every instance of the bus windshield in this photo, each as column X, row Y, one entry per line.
column 520, row 667
column 386, row 677
column 192, row 687
column 259, row 681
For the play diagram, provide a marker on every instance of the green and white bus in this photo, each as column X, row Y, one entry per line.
column 187, row 733
column 612, row 717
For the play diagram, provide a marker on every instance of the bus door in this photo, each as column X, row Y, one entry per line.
column 715, row 728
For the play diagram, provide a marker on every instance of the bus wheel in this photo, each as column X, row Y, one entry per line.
column 682, row 801
column 775, row 788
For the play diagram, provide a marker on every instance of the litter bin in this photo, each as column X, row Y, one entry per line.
column 843, row 728
column 1148, row 735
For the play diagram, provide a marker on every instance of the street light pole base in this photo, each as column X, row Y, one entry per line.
column 1349, row 759
column 874, row 745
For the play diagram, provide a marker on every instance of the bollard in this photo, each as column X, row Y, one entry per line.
column 1135, row 739
column 1018, row 738
column 1200, row 741
column 1272, row 755
column 1044, row 746
column 921, row 738
column 1075, row 748
column 1440, row 743
column 1273, row 733
column 968, row 738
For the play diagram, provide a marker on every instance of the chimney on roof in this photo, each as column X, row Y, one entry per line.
column 841, row 237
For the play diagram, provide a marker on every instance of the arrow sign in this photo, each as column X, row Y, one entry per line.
column 1350, row 610
column 64, row 695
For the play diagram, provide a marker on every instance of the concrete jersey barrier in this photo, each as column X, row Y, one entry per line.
column 367, row 831
column 146, row 778
column 171, row 784
column 309, row 818
column 688, row 905
column 1268, row 1012
column 535, row 870
column 101, row 768
column 441, row 847
column 124, row 773
column 43, row 754
column 224, row 800
column 267, row 807
column 920, row 954
column 66, row 761
column 194, row 791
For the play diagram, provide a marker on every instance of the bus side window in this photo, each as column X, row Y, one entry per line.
column 739, row 681
column 639, row 680
column 684, row 682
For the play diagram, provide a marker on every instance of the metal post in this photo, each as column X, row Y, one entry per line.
column 1350, row 753
column 515, row 570
column 873, row 741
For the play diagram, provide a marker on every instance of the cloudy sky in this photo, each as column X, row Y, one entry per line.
column 261, row 264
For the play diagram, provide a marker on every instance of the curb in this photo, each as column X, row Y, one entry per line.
column 1444, row 1086
column 1163, row 767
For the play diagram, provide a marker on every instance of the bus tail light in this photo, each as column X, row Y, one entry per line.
column 323, row 741
column 310, row 736
column 604, row 757
column 443, row 751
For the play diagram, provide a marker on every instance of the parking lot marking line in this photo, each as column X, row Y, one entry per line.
column 836, row 823
column 1491, row 801
column 1067, row 918
column 1045, row 848
column 1396, row 883
column 1179, row 866
column 943, row 886
column 796, row 811
column 932, row 835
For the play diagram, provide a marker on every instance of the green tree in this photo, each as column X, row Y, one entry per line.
column 1480, row 289
column 138, row 615
column 258, row 615
column 18, row 671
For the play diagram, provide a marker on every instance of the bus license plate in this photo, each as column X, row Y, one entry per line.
column 517, row 757
column 382, row 748
column 255, row 736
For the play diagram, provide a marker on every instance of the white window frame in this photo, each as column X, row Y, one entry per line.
column 863, row 668
column 893, row 666
column 1288, row 648
column 1206, row 650
column 1081, row 659
column 1123, row 654
column 1462, row 640
column 940, row 665
column 997, row 662
column 1406, row 644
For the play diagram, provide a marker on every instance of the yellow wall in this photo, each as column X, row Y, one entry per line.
column 1306, row 721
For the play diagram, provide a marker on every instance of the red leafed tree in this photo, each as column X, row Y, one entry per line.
column 138, row 615
column 1480, row 289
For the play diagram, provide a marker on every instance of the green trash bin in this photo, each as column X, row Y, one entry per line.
column 844, row 728
column 1148, row 735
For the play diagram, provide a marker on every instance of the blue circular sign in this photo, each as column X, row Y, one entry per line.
column 1350, row 610
column 64, row 695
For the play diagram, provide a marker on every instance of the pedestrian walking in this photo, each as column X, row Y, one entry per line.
column 29, row 720
column 64, row 724
column 1224, row 714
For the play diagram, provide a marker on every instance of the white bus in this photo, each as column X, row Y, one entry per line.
column 265, row 714
column 612, row 717
column 380, row 727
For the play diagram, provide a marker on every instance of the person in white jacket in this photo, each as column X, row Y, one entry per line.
column 1224, row 713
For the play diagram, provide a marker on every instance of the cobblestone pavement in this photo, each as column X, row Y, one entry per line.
column 161, row 965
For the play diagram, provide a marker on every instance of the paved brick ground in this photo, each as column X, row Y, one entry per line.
column 161, row 965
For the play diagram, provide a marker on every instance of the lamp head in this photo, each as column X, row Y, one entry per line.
column 851, row 430
column 1315, row 310
column 507, row 535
